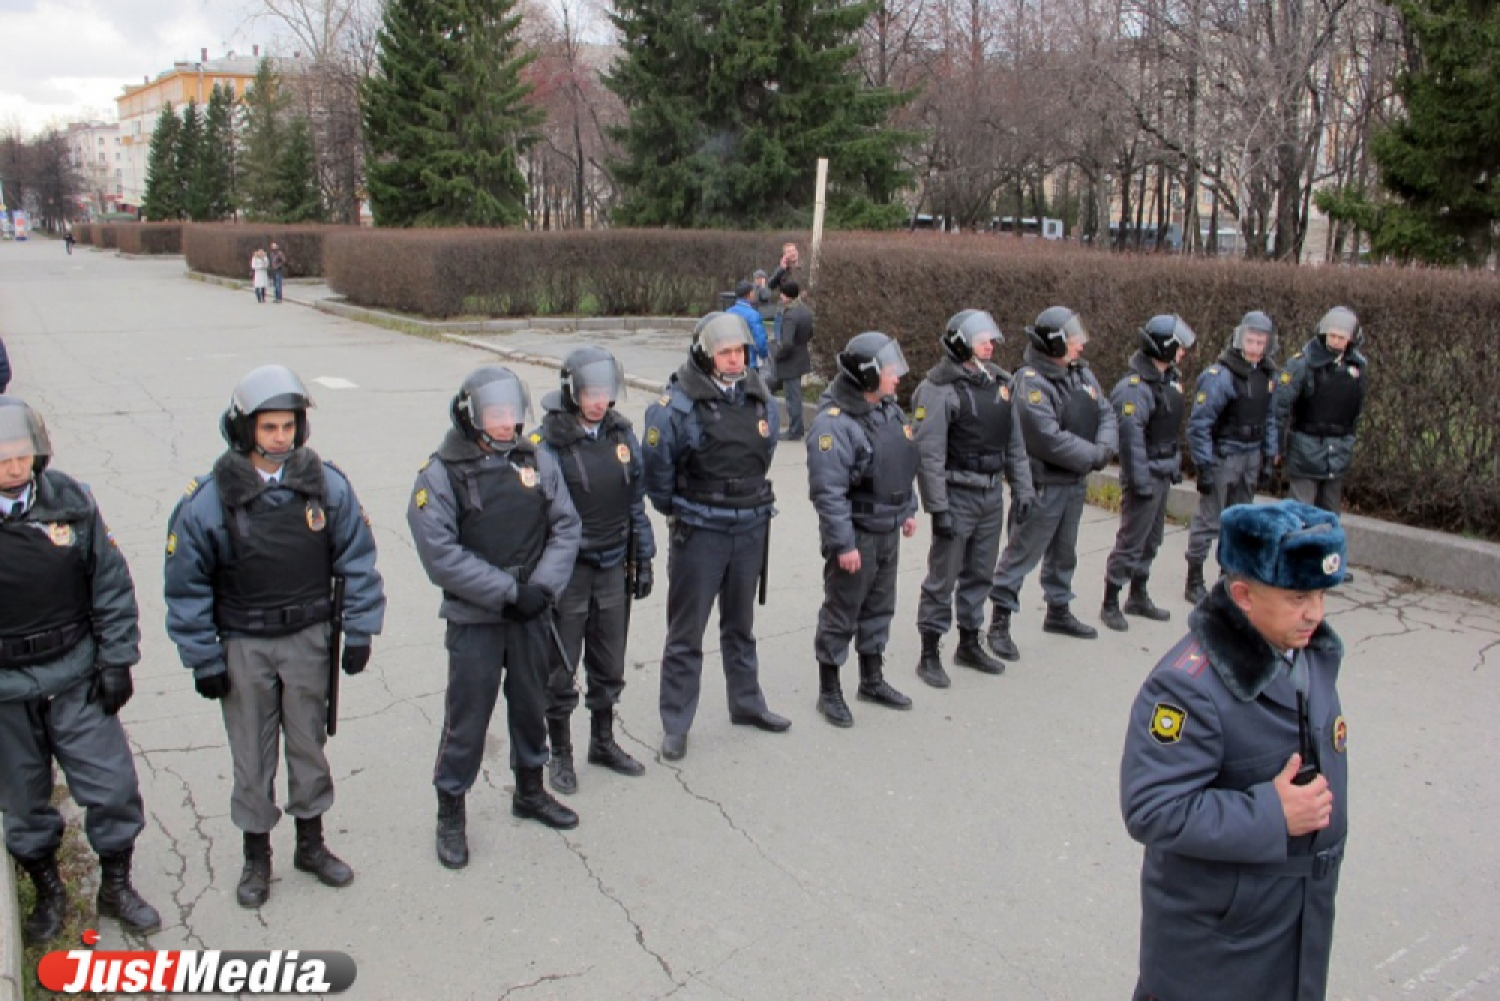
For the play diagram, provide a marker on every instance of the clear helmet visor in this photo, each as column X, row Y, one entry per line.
column 601, row 380
column 978, row 328
column 1074, row 332
column 503, row 403
column 1249, row 339
column 1339, row 320
column 270, row 387
column 22, row 433
column 724, row 330
column 1183, row 334
column 891, row 357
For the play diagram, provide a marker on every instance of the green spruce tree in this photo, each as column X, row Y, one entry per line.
column 297, row 191
column 732, row 102
column 447, row 115
column 213, row 174
column 163, row 199
column 189, row 154
column 262, row 145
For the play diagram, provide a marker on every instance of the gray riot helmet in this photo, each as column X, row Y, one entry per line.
column 869, row 354
column 968, row 329
column 270, row 387
column 1259, row 322
column 715, row 332
column 1340, row 320
column 496, row 390
column 1163, row 335
column 22, row 432
column 590, row 368
column 1054, row 328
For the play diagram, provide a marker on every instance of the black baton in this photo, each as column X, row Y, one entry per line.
column 335, row 640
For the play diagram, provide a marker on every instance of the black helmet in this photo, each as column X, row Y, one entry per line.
column 270, row 387
column 490, row 386
column 1164, row 334
column 590, row 368
column 716, row 331
column 1340, row 319
column 22, row 432
column 966, row 329
column 1054, row 328
column 867, row 355
column 1259, row 322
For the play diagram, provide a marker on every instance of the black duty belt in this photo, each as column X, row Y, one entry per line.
column 273, row 621
column 874, row 505
column 39, row 648
column 1243, row 432
column 1163, row 451
column 1325, row 430
column 1319, row 865
column 721, row 490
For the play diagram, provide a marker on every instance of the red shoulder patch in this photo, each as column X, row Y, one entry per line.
column 1191, row 661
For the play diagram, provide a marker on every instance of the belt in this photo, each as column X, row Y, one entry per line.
column 1243, row 432
column 1165, row 451
column 874, row 505
column 273, row 621
column 1325, row 430
column 1319, row 865
column 973, row 480
column 38, row 648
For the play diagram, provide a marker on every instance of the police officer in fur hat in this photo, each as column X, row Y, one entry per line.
column 252, row 550
column 1234, row 774
column 1318, row 400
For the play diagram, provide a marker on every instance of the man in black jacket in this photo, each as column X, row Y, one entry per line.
column 794, row 331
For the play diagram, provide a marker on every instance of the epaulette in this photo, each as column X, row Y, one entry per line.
column 1135, row 380
column 1213, row 370
column 192, row 487
column 834, row 411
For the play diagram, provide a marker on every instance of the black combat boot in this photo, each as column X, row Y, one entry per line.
column 45, row 922
column 999, row 637
column 604, row 751
column 313, row 855
column 560, row 765
column 1196, row 590
column 532, row 802
column 1060, row 619
column 930, row 667
column 452, row 842
column 874, row 688
column 118, row 899
column 831, row 697
column 971, row 653
column 1109, row 612
column 1140, row 603
column 255, row 877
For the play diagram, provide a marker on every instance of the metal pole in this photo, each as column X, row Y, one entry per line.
column 818, row 207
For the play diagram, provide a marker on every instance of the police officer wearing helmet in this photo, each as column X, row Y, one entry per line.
column 1069, row 428
column 69, row 635
column 861, row 464
column 600, row 458
column 969, row 440
column 709, row 443
column 1232, row 435
column 1149, row 406
column 1318, row 400
column 1235, row 774
column 252, row 549
column 494, row 528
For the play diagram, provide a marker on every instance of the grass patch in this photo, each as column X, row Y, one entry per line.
column 1105, row 495
column 79, row 868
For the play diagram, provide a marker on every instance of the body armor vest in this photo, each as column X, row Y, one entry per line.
column 597, row 471
column 45, row 598
column 276, row 580
column 728, row 468
column 1166, row 421
column 1244, row 419
column 1332, row 407
column 979, row 435
column 878, row 501
column 500, row 517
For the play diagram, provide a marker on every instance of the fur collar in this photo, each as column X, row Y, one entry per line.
column 458, row 447
column 1053, row 368
column 947, row 372
column 700, row 388
column 1240, row 365
column 57, row 497
column 561, row 429
column 843, row 393
column 239, row 483
column 1242, row 658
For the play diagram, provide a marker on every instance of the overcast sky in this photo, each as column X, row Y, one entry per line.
column 65, row 60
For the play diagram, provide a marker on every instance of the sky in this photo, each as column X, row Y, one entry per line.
column 67, row 60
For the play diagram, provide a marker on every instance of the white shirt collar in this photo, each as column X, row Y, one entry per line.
column 9, row 505
column 269, row 477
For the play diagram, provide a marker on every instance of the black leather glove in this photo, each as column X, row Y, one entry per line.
column 356, row 658
column 215, row 686
column 1263, row 483
column 1176, row 476
column 112, row 688
column 942, row 525
column 530, row 602
column 643, row 580
column 1205, row 479
column 1146, row 492
column 1020, row 510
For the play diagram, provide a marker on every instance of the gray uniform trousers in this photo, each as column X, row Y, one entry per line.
column 590, row 620
column 278, row 689
column 95, row 758
column 1326, row 494
column 1234, row 483
column 477, row 655
column 967, row 560
column 859, row 606
column 1142, row 524
column 1049, row 537
column 704, row 566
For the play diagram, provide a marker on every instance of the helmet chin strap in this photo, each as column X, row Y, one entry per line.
column 496, row 444
column 276, row 458
column 730, row 380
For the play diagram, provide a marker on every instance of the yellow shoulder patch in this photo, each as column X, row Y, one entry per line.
column 1035, row 396
column 664, row 399
column 536, row 437
column 1128, row 409
column 192, row 488
column 653, row 436
column 1286, row 378
column 171, row 543
column 1167, row 722
column 1201, row 398
column 421, row 498
column 919, row 414
column 825, row 443
column 834, row 411
column 1297, row 355
column 425, row 463
column 1135, row 380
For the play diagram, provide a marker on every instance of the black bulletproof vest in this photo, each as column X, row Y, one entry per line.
column 1244, row 419
column 1333, row 405
column 728, row 468
column 980, row 433
column 281, row 557
column 878, row 500
column 597, row 471
column 44, row 577
column 1166, row 421
column 1080, row 410
column 502, row 512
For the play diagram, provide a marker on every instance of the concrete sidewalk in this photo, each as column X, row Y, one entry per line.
column 971, row 848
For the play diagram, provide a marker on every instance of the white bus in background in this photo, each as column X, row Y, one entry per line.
column 1047, row 228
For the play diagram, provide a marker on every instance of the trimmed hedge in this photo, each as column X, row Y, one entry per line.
column 105, row 235
column 83, row 233
column 224, row 249
column 149, row 237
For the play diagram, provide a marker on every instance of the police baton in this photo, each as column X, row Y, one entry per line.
column 335, row 640
column 765, row 565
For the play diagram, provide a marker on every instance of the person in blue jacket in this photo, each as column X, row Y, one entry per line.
column 745, row 306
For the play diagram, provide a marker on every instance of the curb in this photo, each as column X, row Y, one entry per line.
column 11, row 953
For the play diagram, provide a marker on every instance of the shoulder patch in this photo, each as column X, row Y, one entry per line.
column 1201, row 398
column 1213, row 370
column 171, row 543
column 664, row 399
column 1286, row 378
column 825, row 443
column 1296, row 356
column 421, row 498
column 919, row 414
column 1167, row 722
column 192, row 488
column 1135, row 380
column 1035, row 396
column 1005, row 393
column 536, row 437
column 1128, row 409
column 653, row 437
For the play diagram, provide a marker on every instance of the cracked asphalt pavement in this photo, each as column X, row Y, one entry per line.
column 970, row 848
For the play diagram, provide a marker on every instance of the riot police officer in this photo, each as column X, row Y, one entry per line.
column 600, row 458
column 709, row 443
column 1230, row 429
column 1069, row 428
column 496, row 530
column 69, row 635
column 252, row 549
column 1318, row 401
column 861, row 463
column 969, row 440
column 1149, row 407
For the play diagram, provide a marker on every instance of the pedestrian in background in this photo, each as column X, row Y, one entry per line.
column 260, row 266
column 794, row 332
column 278, row 268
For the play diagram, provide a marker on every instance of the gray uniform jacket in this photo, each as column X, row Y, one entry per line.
column 1043, row 387
column 476, row 591
column 934, row 406
column 197, row 540
column 1314, row 456
column 846, row 461
column 1216, row 390
column 794, row 333
column 59, row 500
column 1232, row 907
column 1134, row 400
